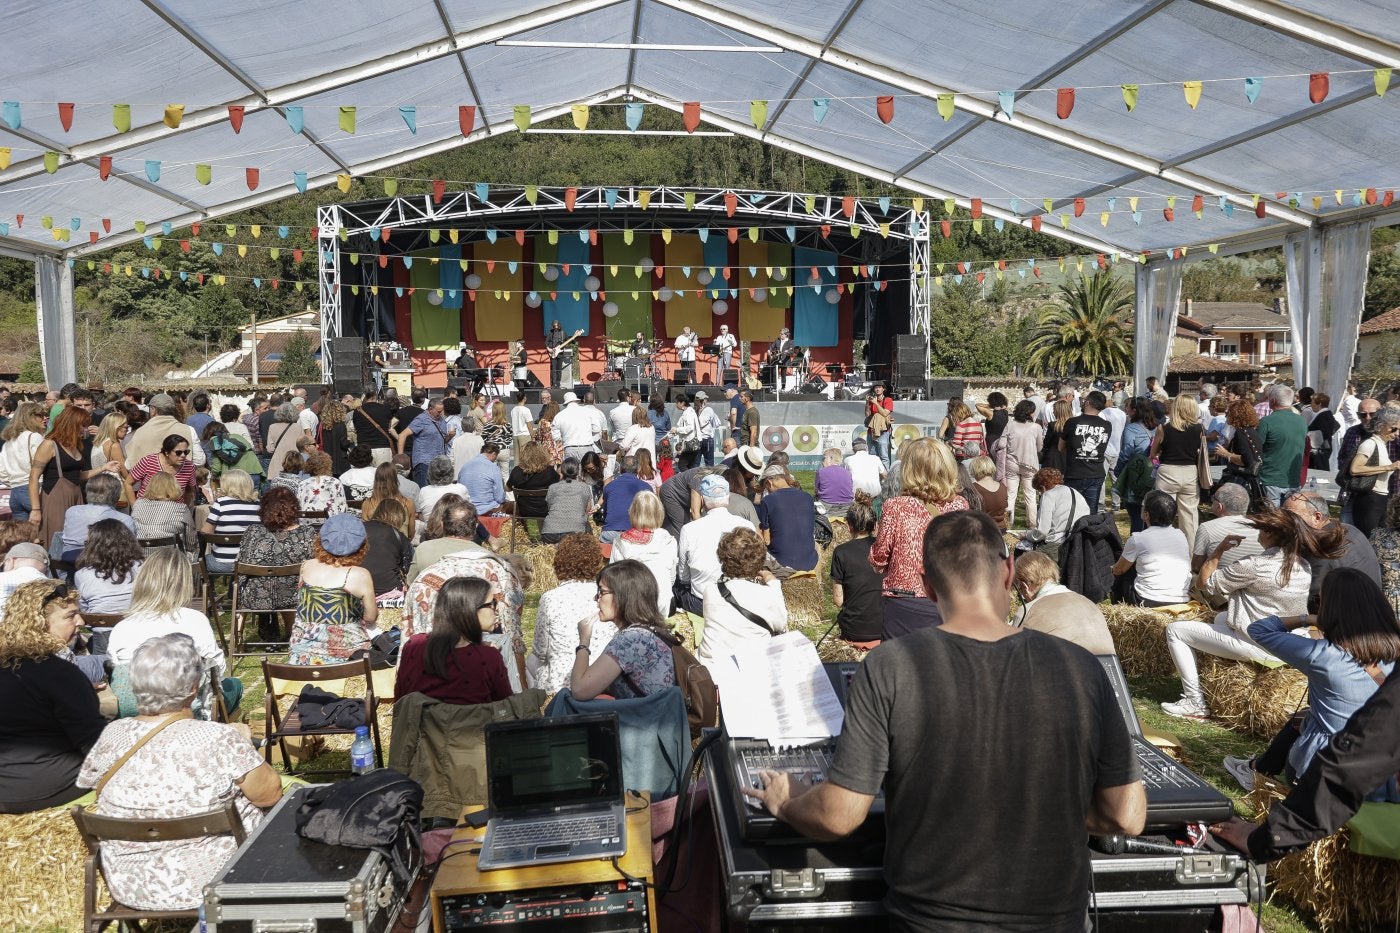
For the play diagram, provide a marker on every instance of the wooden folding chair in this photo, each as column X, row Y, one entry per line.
column 315, row 515
column 95, row 829
column 523, row 520
column 238, row 613
column 209, row 579
column 279, row 677
column 150, row 544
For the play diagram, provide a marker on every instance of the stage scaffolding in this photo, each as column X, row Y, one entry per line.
column 608, row 208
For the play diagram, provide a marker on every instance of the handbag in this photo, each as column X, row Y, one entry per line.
column 1348, row 481
column 1203, row 477
column 753, row 617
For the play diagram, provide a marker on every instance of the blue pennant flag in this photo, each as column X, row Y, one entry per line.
column 408, row 262
column 482, row 190
column 791, row 233
column 184, row 276
column 10, row 112
column 165, row 228
column 491, row 235
column 153, row 170
column 283, row 232
column 704, row 233
column 410, row 117
column 884, row 205
column 374, row 233
column 1252, row 87
column 398, row 291
column 257, row 282
column 998, row 224
column 1006, row 100
column 218, row 248
column 299, row 179
column 610, row 195
column 295, row 118
column 634, row 115
column 512, row 266
column 820, row 106
column 149, row 241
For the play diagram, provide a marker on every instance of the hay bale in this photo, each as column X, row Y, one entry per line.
column 835, row 649
column 1249, row 697
column 1140, row 638
column 1340, row 889
column 41, row 856
column 806, row 601
column 541, row 558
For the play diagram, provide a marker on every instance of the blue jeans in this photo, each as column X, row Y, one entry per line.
column 419, row 474
column 1274, row 495
column 608, row 537
column 880, row 445
column 20, row 505
column 707, row 450
column 1090, row 489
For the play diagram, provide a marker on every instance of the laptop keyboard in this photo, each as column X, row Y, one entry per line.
column 582, row 829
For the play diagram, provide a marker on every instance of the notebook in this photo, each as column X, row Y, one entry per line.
column 555, row 790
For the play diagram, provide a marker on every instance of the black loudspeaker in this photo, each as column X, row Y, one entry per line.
column 580, row 388
column 531, row 381
column 347, row 344
column 353, row 387
column 660, row 388
column 907, row 345
column 731, row 377
column 606, row 391
column 349, row 363
column 461, row 383
column 814, row 386
column 944, row 389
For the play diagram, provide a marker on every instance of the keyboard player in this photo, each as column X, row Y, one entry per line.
column 997, row 749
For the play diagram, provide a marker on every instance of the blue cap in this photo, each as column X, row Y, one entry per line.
column 714, row 486
column 343, row 534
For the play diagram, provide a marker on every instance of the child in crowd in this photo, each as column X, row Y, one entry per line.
column 665, row 462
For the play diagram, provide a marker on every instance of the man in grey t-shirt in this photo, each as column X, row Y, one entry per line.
column 1230, row 503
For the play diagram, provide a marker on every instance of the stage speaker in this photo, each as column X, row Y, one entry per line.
column 355, row 387
column 731, row 377
column 349, row 364
column 660, row 388
column 907, row 345
column 606, row 392
column 814, row 386
column 461, row 383
column 944, row 389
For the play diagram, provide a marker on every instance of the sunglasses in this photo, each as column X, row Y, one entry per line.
column 62, row 591
column 181, row 453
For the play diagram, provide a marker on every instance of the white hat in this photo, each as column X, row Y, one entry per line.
column 570, row 397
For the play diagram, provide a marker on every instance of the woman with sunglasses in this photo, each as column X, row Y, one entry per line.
column 450, row 663
column 174, row 459
column 637, row 660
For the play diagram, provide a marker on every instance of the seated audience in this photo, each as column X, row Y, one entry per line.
column 1230, row 503
column 386, row 487
column 232, row 513
column 278, row 539
column 336, row 609
column 320, row 491
column 637, row 661
column 107, row 568
column 25, row 561
column 162, row 513
column 834, row 485
column 983, row 472
column 1274, row 582
column 866, row 469
column 740, row 494
column 481, row 478
column 449, row 662
column 568, row 504
column 359, row 479
column 855, row 584
column 52, row 716
column 532, row 472
column 441, row 481
column 1356, row 653
column 390, row 552
column 173, row 460
column 618, row 496
column 577, row 561
column 698, row 550
column 787, row 516
column 1049, row 607
column 192, row 767
column 451, row 528
column 592, row 471
column 1357, row 552
column 745, row 606
column 159, row 606
column 104, row 491
column 1057, row 509
column 1158, row 556
column 292, row 473
column 650, row 544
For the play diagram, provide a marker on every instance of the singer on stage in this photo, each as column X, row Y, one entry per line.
column 979, row 834
column 559, row 355
column 725, row 344
column 685, row 353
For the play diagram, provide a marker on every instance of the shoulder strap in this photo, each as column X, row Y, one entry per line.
column 753, row 617
column 1376, row 673
column 116, row 766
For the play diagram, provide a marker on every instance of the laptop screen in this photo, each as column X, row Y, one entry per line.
column 1120, row 692
column 557, row 762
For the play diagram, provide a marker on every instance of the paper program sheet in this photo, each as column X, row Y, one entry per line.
column 778, row 691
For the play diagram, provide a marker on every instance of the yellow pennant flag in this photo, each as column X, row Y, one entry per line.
column 553, row 237
column 644, row 199
column 1130, row 96
column 1317, row 203
column 230, row 230
column 454, row 235
column 1048, row 204
column 347, row 119
column 1214, row 248
column 1338, row 195
column 690, row 200
column 374, row 289
column 809, row 203
column 977, row 225
column 354, row 289
column 1064, row 221
column 1132, row 203
column 51, row 162
column 298, row 286
column 220, row 279
column 613, row 269
column 46, row 222
column 855, row 233
column 342, row 181
column 949, row 206
column 1193, row 92
column 885, row 230
column 758, row 113
column 1171, row 202
column 174, row 113
column 255, row 230
column 627, row 236
column 1103, row 219
column 203, row 173
column 139, row 226
column 753, row 234
column 1079, row 265
column 1382, row 79
column 580, row 112
column 5, row 154
column 532, row 194
column 918, row 205
column 274, row 253
column 434, row 235
column 665, row 236
column 463, row 264
column 945, row 106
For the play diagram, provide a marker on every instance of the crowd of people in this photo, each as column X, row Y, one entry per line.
column 398, row 506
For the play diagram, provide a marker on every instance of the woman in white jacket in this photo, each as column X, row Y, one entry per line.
column 686, row 430
column 744, row 607
column 22, row 437
column 651, row 545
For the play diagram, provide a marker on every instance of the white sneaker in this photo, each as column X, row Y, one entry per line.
column 1242, row 770
column 1187, row 709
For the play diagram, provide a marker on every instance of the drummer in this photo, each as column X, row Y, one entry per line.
column 640, row 346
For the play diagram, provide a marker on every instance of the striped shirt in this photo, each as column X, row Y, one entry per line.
column 230, row 516
column 149, row 466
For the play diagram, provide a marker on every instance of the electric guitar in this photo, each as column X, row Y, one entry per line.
column 555, row 351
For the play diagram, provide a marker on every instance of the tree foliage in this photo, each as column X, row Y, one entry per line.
column 972, row 333
column 298, row 360
column 1085, row 331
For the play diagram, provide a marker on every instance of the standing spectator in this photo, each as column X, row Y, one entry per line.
column 371, row 421
column 1050, row 453
column 620, row 416
column 307, row 418
column 710, row 427
column 745, row 589
column 200, row 418
column 1385, row 540
column 1281, row 440
column 521, row 424
column 1242, row 453
column 967, row 429
column 685, row 435
column 1158, row 555
column 1372, row 463
column 429, row 439
column 577, row 562
column 150, row 437
column 865, row 468
column 1177, row 446
column 834, row 484
column 991, row 494
column 1351, row 439
column 699, row 542
column 107, row 448
column 224, row 447
column 1322, row 428
column 1204, row 394
column 994, row 417
column 284, row 436
column 787, row 516
column 929, row 488
column 639, row 436
column 1118, row 418
column 22, row 437
column 574, row 425
column 659, row 418
column 332, row 435
column 879, row 422
column 1024, row 439
column 751, row 426
column 233, row 513
column 617, row 499
column 59, row 469
column 1085, row 445
column 320, row 491
column 1155, row 390
column 736, row 412
column 599, row 429
column 646, row 542
column 569, row 503
column 855, row 586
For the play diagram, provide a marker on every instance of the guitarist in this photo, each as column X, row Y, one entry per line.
column 557, row 343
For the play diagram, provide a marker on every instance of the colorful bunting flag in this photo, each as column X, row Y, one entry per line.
column 1064, row 102
column 174, row 113
column 884, row 108
column 9, row 112
column 65, row 116
column 347, row 119
column 1192, row 90
column 1319, row 82
column 945, row 106
column 153, row 170
column 299, row 179
column 251, row 176
column 1252, row 87
column 466, row 119
column 820, row 106
column 758, row 113
column 632, row 113
column 1006, row 100
column 410, row 117
column 1382, row 80
column 121, row 117
column 1130, row 96
column 690, row 115
column 235, row 117
column 580, row 114
column 51, row 162
column 522, row 117
column 296, row 118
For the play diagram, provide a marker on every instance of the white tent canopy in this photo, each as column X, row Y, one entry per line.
column 1004, row 144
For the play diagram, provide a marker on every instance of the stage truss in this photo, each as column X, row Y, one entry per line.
column 537, row 210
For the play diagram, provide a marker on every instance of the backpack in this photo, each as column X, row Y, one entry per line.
column 369, row 811
column 228, row 449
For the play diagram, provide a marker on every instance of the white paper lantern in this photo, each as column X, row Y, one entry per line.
column 592, row 283
column 780, row 274
column 760, row 294
column 720, row 307
column 551, row 273
column 665, row 294
column 646, row 263
column 610, row 309
column 704, row 277
column 434, row 298
column 832, row 297
column 533, row 300
column 473, row 281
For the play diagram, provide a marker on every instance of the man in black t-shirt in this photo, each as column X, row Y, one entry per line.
column 404, row 417
column 998, row 750
column 1084, row 443
column 372, row 420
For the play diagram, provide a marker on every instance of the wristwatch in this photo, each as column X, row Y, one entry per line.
column 580, row 648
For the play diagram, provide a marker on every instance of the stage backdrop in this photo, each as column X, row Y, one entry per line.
column 630, row 292
column 692, row 309
column 499, row 318
column 570, row 303
column 814, row 321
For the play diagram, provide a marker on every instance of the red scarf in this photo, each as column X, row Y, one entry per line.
column 638, row 536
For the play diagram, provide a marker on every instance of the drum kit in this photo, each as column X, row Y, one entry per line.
column 631, row 362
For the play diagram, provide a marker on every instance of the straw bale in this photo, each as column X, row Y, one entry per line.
column 836, row 649
column 541, row 558
column 1249, row 697
column 806, row 601
column 41, row 858
column 1340, row 889
column 1140, row 638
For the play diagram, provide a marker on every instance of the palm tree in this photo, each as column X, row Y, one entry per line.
column 1085, row 331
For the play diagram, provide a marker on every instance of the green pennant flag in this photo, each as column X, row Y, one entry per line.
column 945, row 106
column 391, row 187
column 1382, row 79
column 1130, row 96
column 121, row 117
column 522, row 117
column 532, row 194
column 51, row 162
column 758, row 113
column 203, row 173
column 347, row 119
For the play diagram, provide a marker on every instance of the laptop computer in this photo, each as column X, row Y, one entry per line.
column 555, row 790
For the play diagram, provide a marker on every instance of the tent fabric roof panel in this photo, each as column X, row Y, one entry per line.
column 1374, row 17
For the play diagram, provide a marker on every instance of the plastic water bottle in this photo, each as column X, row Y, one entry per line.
column 362, row 751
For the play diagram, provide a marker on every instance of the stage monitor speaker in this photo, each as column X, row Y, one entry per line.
column 660, row 388
column 731, row 377
column 606, row 391
column 580, row 388
column 460, row 383
column 531, row 381
column 814, row 386
column 944, row 389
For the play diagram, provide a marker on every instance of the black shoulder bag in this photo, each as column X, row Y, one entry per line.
column 753, row 617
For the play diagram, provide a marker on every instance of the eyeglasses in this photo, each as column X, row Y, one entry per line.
column 1367, row 414
column 491, row 605
column 601, row 593
column 181, row 453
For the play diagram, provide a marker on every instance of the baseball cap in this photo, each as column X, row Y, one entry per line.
column 714, row 487
column 342, row 534
column 27, row 551
column 570, row 397
column 858, row 444
column 701, row 397
column 751, row 459
column 730, row 387
column 775, row 472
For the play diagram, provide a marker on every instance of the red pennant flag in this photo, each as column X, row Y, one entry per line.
column 961, row 267
column 1064, row 102
column 471, row 294
column 1261, row 210
column 384, row 234
column 1035, row 225
column 1318, row 85
column 884, row 285
column 235, row 117
column 1370, row 195
column 491, row 265
column 981, row 277
column 276, row 284
column 553, row 296
column 520, row 237
column 439, row 189
column 92, row 236
column 200, row 278
column 297, row 254
column 106, row 268
column 194, row 229
column 1079, row 207
column 947, row 227
column 848, row 206
column 107, row 224
column 1198, row 203
column 1103, row 263
column 65, row 116
column 976, row 208
column 383, row 261
column 466, row 119
column 570, row 196
column 252, row 175
column 690, row 114
column 1388, row 199
column 1001, row 265
column 884, row 108
column 184, row 246
column 731, row 203
column 840, row 288
column 593, row 239
column 104, row 167
column 156, row 272
column 19, row 221
column 411, row 291
column 826, row 231
column 315, row 234
column 1168, row 214
column 723, row 273
column 734, row 234
column 1036, row 270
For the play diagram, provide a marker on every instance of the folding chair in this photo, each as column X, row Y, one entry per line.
column 95, row 830
column 209, row 579
column 315, row 515
column 237, row 613
column 278, row 677
column 523, row 520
